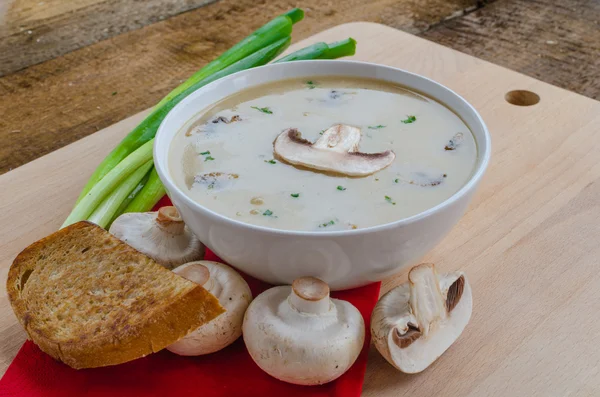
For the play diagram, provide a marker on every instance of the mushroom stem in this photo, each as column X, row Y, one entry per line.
column 169, row 219
column 310, row 295
column 426, row 300
column 195, row 272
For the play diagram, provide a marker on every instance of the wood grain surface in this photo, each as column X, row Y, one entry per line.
column 554, row 41
column 35, row 31
column 528, row 244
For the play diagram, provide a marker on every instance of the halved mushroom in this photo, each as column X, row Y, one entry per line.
column 416, row 322
column 233, row 294
column 161, row 235
column 299, row 335
column 335, row 151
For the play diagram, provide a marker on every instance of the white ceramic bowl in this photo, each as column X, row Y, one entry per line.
column 344, row 259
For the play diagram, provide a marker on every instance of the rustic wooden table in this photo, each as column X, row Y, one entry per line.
column 69, row 68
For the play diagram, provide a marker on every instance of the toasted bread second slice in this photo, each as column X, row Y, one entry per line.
column 90, row 300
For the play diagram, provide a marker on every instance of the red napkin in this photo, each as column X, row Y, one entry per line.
column 229, row 372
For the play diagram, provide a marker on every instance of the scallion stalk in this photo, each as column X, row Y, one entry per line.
column 274, row 30
column 105, row 212
column 111, row 180
column 338, row 49
column 132, row 195
column 147, row 198
column 322, row 50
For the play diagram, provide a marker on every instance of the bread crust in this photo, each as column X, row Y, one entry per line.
column 162, row 323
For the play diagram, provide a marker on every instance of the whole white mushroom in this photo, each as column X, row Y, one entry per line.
column 416, row 322
column 233, row 294
column 162, row 235
column 299, row 335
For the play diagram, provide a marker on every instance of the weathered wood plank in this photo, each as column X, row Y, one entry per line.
column 34, row 31
column 554, row 41
column 57, row 102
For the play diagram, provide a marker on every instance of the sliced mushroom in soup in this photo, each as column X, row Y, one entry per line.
column 294, row 145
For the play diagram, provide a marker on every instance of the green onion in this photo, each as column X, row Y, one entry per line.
column 322, row 50
column 274, row 30
column 105, row 212
column 295, row 195
column 409, row 120
column 152, row 191
column 106, row 185
column 340, row 49
column 263, row 110
column 341, row 188
column 134, row 193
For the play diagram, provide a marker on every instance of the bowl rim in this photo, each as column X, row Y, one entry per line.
column 161, row 163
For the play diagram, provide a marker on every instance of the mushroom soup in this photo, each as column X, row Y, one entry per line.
column 332, row 153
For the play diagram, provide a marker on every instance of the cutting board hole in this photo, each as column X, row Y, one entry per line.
column 522, row 98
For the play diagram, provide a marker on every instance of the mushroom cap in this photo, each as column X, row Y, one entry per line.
column 401, row 340
column 162, row 235
column 233, row 294
column 336, row 151
column 299, row 347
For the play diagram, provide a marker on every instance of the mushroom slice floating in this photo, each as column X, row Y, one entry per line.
column 233, row 294
column 335, row 151
column 299, row 335
column 416, row 322
column 161, row 235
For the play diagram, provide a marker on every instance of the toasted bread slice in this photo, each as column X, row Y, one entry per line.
column 90, row 300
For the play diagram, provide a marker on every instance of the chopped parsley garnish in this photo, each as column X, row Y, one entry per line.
column 205, row 153
column 341, row 188
column 389, row 200
column 264, row 110
column 295, row 195
column 321, row 133
column 311, row 84
column 271, row 161
column 268, row 213
column 327, row 224
column 396, row 180
column 114, row 93
column 409, row 120
column 209, row 158
column 376, row 127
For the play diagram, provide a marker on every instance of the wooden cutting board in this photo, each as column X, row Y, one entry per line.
column 530, row 243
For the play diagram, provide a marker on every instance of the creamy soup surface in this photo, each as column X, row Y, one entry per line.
column 225, row 159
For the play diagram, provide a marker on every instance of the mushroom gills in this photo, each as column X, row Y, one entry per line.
column 416, row 322
column 336, row 151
